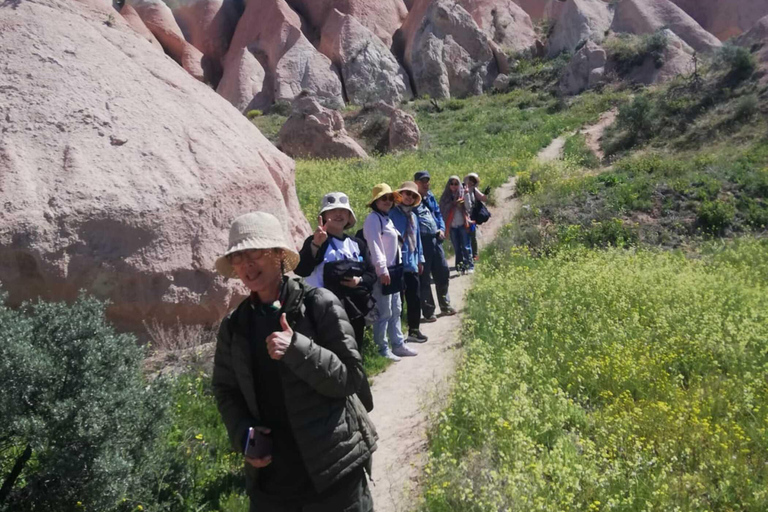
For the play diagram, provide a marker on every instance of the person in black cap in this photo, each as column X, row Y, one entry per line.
column 432, row 230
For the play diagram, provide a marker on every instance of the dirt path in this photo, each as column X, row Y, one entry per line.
column 406, row 393
column 554, row 151
column 594, row 133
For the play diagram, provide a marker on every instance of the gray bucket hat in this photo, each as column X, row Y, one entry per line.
column 336, row 200
column 256, row 230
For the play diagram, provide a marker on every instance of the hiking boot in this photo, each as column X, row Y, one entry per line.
column 429, row 319
column 449, row 311
column 389, row 355
column 404, row 351
column 416, row 337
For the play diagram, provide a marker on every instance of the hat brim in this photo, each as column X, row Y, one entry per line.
column 395, row 193
column 225, row 268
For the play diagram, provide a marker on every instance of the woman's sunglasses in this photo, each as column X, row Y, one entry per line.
column 453, row 183
column 408, row 193
column 388, row 197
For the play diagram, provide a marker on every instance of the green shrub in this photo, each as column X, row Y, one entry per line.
column 577, row 150
column 628, row 51
column 715, row 216
column 737, row 60
column 80, row 422
column 747, row 107
column 281, row 108
column 454, row 104
column 254, row 113
column 524, row 185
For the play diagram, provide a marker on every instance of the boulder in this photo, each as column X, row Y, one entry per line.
column 648, row 16
column 209, row 25
column 725, row 19
column 120, row 173
column 676, row 60
column 158, row 18
column 580, row 21
column 244, row 83
column 271, row 31
column 501, row 83
column 503, row 22
column 382, row 17
column 445, row 51
column 404, row 133
column 313, row 131
column 134, row 20
column 368, row 69
column 582, row 72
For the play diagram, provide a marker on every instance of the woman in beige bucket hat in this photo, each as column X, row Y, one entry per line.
column 286, row 376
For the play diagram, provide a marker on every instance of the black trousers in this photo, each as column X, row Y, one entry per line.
column 350, row 494
column 358, row 324
column 435, row 267
column 413, row 300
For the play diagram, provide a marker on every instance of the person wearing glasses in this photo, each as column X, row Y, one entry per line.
column 384, row 248
column 334, row 260
column 454, row 210
column 285, row 379
column 432, row 230
column 472, row 195
column 407, row 225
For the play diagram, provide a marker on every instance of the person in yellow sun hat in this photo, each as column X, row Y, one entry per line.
column 384, row 246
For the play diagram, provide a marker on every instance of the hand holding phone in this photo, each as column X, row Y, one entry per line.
column 258, row 447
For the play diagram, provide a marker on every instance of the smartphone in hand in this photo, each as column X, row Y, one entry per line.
column 257, row 445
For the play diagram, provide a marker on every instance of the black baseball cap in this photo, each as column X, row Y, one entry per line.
column 421, row 175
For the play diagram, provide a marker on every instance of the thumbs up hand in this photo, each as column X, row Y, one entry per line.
column 279, row 341
column 319, row 236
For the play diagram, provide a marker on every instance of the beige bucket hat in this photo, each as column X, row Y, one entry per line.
column 335, row 201
column 410, row 186
column 256, row 230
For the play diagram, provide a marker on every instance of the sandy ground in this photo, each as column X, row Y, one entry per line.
column 408, row 391
column 594, row 133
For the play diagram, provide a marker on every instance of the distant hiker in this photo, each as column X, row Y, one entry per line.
column 286, row 373
column 334, row 260
column 471, row 196
column 456, row 215
column 406, row 223
column 384, row 247
column 432, row 229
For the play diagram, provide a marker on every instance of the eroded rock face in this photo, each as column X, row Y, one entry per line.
column 369, row 70
column 120, row 174
column 725, row 19
column 579, row 21
column 445, row 51
column 313, row 131
column 404, row 133
column 677, row 59
column 503, row 21
column 209, row 25
column 244, row 82
column 271, row 32
column 756, row 39
column 585, row 70
column 382, row 17
column 134, row 20
column 542, row 9
column 158, row 18
column 648, row 16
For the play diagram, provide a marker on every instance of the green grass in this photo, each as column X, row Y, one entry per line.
column 610, row 380
column 495, row 136
column 576, row 149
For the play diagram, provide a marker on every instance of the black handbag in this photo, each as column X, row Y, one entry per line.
column 396, row 277
column 479, row 213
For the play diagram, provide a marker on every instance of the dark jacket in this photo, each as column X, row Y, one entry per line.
column 321, row 372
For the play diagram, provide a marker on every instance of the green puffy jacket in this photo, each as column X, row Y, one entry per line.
column 321, row 374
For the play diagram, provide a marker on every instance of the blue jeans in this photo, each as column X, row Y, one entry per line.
column 463, row 248
column 388, row 324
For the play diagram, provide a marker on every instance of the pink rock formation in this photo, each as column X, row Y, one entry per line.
column 445, row 51
column 159, row 19
column 404, row 133
column 542, row 9
column 648, row 16
column 579, row 21
column 120, row 173
column 208, row 25
column 244, row 82
column 369, row 70
column 757, row 41
column 585, row 70
column 134, row 20
column 504, row 22
column 725, row 18
column 382, row 17
column 677, row 59
column 271, row 31
column 313, row 131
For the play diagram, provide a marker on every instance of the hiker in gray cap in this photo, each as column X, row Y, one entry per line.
column 286, row 373
column 432, row 229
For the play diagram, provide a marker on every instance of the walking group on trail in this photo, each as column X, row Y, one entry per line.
column 288, row 375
